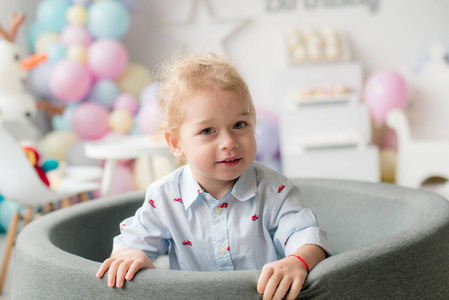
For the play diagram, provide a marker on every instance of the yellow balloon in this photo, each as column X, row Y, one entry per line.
column 45, row 41
column 134, row 79
column 161, row 165
column 77, row 15
column 388, row 158
column 56, row 144
column 120, row 120
column 77, row 53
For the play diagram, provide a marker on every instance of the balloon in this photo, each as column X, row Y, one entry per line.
column 107, row 58
column 148, row 117
column 55, row 53
column 82, row 2
column 131, row 5
column 90, row 120
column 70, row 81
column 52, row 14
column 108, row 19
column 120, row 120
column 45, row 41
column 162, row 165
column 75, row 35
column 134, row 79
column 149, row 93
column 385, row 90
column 104, row 91
column 63, row 122
column 267, row 139
column 127, row 102
column 77, row 53
column 56, row 144
column 77, row 15
column 33, row 32
column 123, row 180
column 7, row 209
column 76, row 156
column 39, row 78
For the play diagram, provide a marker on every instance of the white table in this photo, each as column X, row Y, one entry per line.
column 126, row 147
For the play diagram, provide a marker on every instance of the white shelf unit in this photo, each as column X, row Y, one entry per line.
column 328, row 139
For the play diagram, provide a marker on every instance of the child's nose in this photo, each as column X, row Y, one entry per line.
column 228, row 141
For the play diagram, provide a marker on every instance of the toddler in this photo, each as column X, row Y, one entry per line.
column 222, row 211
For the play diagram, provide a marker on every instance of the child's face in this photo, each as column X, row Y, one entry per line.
column 217, row 138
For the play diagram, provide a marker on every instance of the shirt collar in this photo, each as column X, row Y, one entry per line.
column 244, row 189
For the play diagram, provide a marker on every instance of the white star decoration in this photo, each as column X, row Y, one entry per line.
column 203, row 31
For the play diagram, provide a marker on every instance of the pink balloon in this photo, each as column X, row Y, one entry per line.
column 148, row 117
column 107, row 58
column 75, row 35
column 70, row 81
column 123, row 180
column 127, row 102
column 385, row 90
column 90, row 120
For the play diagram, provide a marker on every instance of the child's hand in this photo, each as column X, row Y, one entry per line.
column 124, row 264
column 280, row 276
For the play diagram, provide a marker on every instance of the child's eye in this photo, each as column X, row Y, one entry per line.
column 239, row 125
column 207, row 131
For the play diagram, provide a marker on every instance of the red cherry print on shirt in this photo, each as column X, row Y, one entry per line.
column 187, row 243
column 255, row 217
column 152, row 203
column 229, row 248
column 281, row 188
column 178, row 200
column 223, row 205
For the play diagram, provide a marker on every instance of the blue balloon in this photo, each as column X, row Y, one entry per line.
column 51, row 14
column 7, row 208
column 105, row 92
column 55, row 53
column 64, row 122
column 33, row 32
column 108, row 19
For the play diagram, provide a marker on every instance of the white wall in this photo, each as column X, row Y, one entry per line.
column 394, row 35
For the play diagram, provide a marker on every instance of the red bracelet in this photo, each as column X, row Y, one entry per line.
column 302, row 260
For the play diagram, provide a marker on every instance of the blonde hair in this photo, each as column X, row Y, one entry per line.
column 186, row 74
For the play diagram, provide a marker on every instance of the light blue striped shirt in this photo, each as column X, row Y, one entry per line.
column 260, row 220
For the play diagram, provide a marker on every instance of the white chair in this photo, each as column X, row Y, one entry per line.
column 417, row 159
column 20, row 183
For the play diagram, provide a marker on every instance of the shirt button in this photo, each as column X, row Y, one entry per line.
column 222, row 250
column 208, row 197
column 219, row 210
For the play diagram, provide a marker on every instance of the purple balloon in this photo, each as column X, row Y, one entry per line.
column 39, row 77
column 267, row 139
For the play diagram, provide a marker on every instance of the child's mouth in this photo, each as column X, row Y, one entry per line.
column 230, row 162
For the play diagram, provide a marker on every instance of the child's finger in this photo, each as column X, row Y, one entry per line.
column 121, row 272
column 272, row 286
column 263, row 279
column 104, row 266
column 294, row 290
column 136, row 266
column 113, row 272
column 282, row 288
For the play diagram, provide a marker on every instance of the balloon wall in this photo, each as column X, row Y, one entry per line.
column 88, row 70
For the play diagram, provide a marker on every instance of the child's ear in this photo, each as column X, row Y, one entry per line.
column 174, row 144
